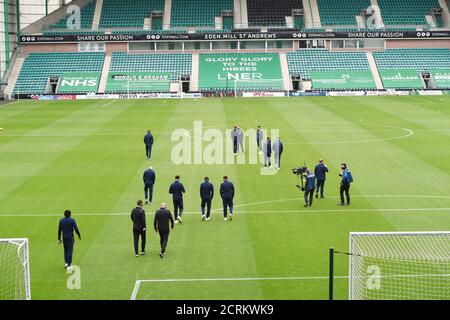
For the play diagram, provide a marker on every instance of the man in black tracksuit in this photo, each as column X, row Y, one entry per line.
column 227, row 194
column 320, row 172
column 148, row 141
column 207, row 194
column 139, row 228
column 176, row 190
column 161, row 225
column 149, row 178
column 66, row 227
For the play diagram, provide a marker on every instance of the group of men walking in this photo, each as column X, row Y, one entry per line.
column 163, row 216
column 315, row 182
column 164, row 221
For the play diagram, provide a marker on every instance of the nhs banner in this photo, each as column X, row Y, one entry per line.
column 78, row 82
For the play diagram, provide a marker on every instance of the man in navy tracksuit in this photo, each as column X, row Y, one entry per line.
column 310, row 186
column 234, row 137
column 227, row 194
column 320, row 171
column 259, row 139
column 67, row 226
column 346, row 180
column 149, row 178
column 176, row 190
column 148, row 141
column 207, row 194
column 267, row 148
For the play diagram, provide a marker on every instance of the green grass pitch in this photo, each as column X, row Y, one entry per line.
column 88, row 156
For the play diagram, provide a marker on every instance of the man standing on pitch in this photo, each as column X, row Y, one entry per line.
column 278, row 150
column 206, row 194
column 149, row 178
column 227, row 194
column 320, row 171
column 310, row 186
column 139, row 228
column 267, row 153
column 346, row 180
column 148, row 141
column 234, row 137
column 259, row 139
column 161, row 225
column 66, row 227
column 176, row 190
column 241, row 139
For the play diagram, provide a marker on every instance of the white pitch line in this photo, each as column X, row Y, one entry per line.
column 109, row 103
column 7, row 104
column 278, row 211
column 343, row 210
column 137, row 285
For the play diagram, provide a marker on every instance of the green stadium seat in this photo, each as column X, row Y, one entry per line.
column 341, row 12
column 128, row 14
column 177, row 64
column 406, row 12
column 303, row 62
column 87, row 15
column 198, row 13
column 38, row 67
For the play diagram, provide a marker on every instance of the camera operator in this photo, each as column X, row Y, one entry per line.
column 346, row 180
column 310, row 186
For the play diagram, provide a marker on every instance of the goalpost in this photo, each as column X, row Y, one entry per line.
column 261, row 85
column 14, row 269
column 399, row 265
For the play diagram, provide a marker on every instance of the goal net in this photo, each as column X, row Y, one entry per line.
column 399, row 266
column 14, row 270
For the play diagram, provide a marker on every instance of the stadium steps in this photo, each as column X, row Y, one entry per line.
column 195, row 72
column 374, row 69
column 285, row 71
column 312, row 20
column 315, row 13
column 167, row 11
column 105, row 72
column 14, row 76
column 97, row 15
column 238, row 14
column 378, row 15
column 445, row 13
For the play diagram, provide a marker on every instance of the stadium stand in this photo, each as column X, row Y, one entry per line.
column 179, row 64
column 128, row 14
column 405, row 65
column 418, row 59
column 269, row 12
column 303, row 62
column 406, row 12
column 38, row 67
column 198, row 13
column 87, row 15
column 341, row 13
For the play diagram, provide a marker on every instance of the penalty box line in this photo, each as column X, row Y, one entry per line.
column 138, row 283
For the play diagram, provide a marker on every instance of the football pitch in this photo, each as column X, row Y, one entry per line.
column 88, row 156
